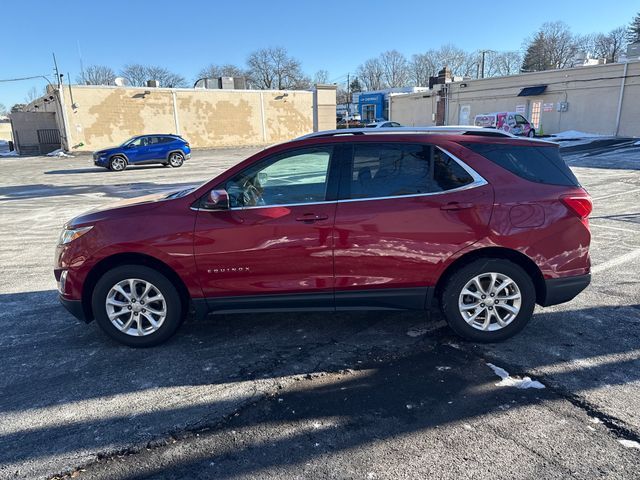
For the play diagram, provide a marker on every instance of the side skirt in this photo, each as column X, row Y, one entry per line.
column 419, row 298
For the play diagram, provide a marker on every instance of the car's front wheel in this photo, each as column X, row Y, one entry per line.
column 488, row 300
column 117, row 163
column 532, row 133
column 137, row 305
column 176, row 159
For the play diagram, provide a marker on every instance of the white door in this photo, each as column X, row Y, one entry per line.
column 464, row 116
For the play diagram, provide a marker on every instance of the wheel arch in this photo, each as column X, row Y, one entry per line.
column 499, row 253
column 175, row 150
column 119, row 154
column 132, row 258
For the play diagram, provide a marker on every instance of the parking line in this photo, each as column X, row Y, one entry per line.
column 614, row 262
column 615, row 195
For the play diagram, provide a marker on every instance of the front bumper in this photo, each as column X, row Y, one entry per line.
column 560, row 290
column 74, row 307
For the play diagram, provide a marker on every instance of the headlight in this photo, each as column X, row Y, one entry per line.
column 70, row 234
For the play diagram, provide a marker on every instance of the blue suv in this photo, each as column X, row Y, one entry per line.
column 168, row 150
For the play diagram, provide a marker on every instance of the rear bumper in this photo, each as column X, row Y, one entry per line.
column 560, row 290
column 74, row 307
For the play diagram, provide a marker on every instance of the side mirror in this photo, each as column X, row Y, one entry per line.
column 130, row 145
column 216, row 200
column 263, row 177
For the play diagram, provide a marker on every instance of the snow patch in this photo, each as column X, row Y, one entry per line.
column 442, row 368
column 630, row 444
column 637, row 143
column 12, row 153
column 509, row 381
column 59, row 153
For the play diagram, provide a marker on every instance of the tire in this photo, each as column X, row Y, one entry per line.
column 514, row 313
column 129, row 312
column 532, row 133
column 176, row 159
column 117, row 163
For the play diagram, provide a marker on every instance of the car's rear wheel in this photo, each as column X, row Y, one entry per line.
column 176, row 159
column 117, row 163
column 532, row 133
column 137, row 306
column 488, row 300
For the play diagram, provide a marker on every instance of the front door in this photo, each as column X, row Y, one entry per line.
column 274, row 246
column 406, row 209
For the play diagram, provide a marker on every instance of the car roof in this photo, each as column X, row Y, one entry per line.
column 452, row 133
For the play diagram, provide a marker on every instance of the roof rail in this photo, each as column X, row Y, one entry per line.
column 460, row 130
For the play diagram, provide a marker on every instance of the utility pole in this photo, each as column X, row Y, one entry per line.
column 55, row 64
column 483, row 52
column 348, row 98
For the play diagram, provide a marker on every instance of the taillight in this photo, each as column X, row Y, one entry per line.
column 580, row 205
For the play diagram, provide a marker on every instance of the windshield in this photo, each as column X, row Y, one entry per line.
column 128, row 141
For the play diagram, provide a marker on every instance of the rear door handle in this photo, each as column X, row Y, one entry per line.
column 457, row 206
column 311, row 217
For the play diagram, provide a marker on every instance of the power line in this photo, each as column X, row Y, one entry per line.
column 23, row 78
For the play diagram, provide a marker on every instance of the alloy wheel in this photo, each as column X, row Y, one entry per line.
column 175, row 159
column 136, row 307
column 490, row 301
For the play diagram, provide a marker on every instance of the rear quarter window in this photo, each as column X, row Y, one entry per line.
column 540, row 164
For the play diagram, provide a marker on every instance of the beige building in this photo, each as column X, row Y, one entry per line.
column 94, row 117
column 601, row 99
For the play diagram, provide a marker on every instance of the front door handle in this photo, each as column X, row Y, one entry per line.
column 457, row 206
column 311, row 217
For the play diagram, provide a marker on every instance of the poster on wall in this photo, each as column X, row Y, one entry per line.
column 521, row 109
column 547, row 107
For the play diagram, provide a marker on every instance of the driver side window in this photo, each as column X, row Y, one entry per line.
column 294, row 177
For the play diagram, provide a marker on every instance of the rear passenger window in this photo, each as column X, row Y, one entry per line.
column 390, row 170
column 536, row 164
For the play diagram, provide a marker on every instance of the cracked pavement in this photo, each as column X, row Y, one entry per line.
column 353, row 395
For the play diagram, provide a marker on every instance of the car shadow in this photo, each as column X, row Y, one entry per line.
column 71, row 389
column 130, row 168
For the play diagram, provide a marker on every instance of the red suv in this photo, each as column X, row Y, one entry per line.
column 482, row 226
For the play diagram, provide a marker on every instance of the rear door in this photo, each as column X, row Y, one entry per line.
column 404, row 209
column 155, row 148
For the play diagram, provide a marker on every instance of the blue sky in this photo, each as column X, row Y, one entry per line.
column 333, row 35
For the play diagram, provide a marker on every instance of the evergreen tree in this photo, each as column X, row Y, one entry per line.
column 633, row 32
column 535, row 57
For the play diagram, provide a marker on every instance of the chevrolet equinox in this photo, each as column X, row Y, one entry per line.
column 481, row 226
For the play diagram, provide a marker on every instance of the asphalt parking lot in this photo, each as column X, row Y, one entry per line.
column 367, row 395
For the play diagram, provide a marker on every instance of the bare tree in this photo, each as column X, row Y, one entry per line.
column 97, row 75
column 137, row 76
column 165, row 77
column 226, row 70
column 321, row 76
column 609, row 46
column 395, row 69
column 371, row 74
column 273, row 68
column 503, row 63
column 32, row 94
column 460, row 62
column 423, row 66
